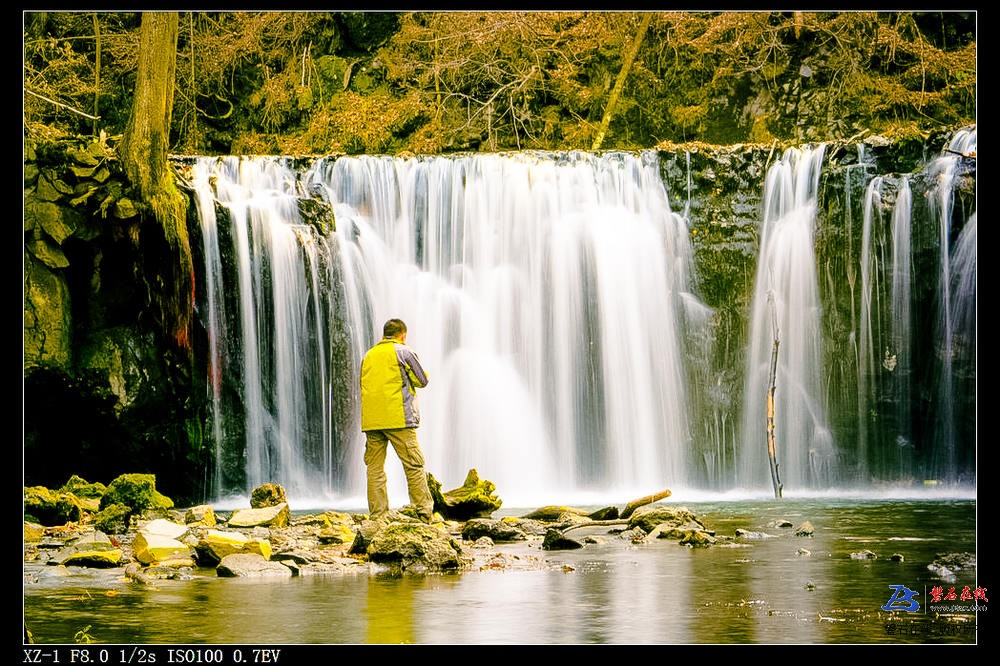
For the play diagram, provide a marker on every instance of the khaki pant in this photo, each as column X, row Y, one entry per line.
column 404, row 442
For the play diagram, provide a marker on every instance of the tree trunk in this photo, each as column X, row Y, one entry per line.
column 144, row 150
column 620, row 82
column 97, row 71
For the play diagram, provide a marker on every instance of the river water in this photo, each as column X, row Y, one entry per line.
column 771, row 587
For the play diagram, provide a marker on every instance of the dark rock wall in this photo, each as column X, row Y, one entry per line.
column 104, row 392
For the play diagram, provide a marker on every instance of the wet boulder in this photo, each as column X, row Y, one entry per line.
column 652, row 516
column 90, row 549
column 556, row 540
column 268, row 494
column 697, row 539
column 251, row 565
column 277, row 515
column 946, row 566
column 137, row 492
column 150, row 547
column 200, row 515
column 416, row 546
column 214, row 545
column 607, row 513
column 33, row 532
column 558, row 514
column 497, row 530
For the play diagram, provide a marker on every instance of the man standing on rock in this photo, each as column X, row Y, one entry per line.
column 390, row 375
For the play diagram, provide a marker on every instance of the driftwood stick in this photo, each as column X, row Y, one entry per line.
column 68, row 108
column 648, row 499
column 771, row 452
column 592, row 523
column 970, row 156
column 775, row 480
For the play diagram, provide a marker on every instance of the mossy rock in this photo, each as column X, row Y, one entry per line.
column 648, row 517
column 83, row 488
column 113, row 519
column 268, row 494
column 556, row 513
column 137, row 492
column 51, row 508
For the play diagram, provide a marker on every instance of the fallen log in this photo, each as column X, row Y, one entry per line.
column 592, row 523
column 642, row 501
column 623, row 518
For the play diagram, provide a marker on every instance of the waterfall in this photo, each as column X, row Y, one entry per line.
column 898, row 358
column 214, row 322
column 551, row 299
column 786, row 307
column 869, row 337
column 955, row 317
column 907, row 355
column 543, row 295
column 546, row 296
column 884, row 447
column 267, row 305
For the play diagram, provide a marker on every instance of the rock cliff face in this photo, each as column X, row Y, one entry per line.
column 720, row 190
column 106, row 393
column 103, row 391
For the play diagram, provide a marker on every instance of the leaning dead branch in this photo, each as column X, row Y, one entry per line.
column 624, row 516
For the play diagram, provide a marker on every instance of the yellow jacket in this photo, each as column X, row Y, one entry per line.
column 390, row 375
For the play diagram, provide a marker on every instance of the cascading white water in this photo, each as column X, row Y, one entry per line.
column 898, row 358
column 869, row 336
column 549, row 297
column 963, row 287
column 266, row 327
column 544, row 296
column 943, row 171
column 786, row 307
column 884, row 333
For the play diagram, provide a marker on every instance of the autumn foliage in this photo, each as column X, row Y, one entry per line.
column 431, row 82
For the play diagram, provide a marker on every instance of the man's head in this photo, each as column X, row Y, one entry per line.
column 394, row 328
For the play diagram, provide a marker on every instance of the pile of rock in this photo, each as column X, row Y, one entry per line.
column 129, row 524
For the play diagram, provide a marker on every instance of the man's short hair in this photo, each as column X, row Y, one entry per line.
column 393, row 327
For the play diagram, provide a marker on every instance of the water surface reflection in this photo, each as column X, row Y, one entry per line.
column 770, row 588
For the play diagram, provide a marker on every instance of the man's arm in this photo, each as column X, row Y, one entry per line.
column 414, row 370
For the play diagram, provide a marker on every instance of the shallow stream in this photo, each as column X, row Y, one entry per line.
column 771, row 587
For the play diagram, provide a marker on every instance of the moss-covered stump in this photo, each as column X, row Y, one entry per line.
column 474, row 499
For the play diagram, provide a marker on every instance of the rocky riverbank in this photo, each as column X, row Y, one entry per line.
column 129, row 525
column 127, row 534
